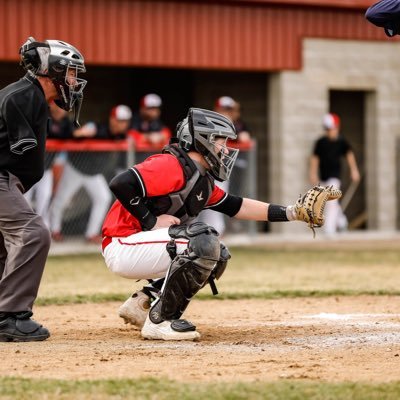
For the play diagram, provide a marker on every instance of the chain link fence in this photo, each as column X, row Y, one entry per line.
column 73, row 197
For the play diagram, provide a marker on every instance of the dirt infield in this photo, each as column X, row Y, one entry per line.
column 332, row 339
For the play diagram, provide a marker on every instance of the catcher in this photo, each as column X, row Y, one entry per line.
column 148, row 233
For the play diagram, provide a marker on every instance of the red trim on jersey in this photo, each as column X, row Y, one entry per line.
column 150, row 242
column 107, row 240
column 216, row 196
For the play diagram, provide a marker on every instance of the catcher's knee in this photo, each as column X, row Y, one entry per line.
column 203, row 243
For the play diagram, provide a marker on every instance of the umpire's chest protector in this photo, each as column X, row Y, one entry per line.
column 186, row 203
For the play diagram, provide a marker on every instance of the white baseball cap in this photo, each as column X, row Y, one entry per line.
column 225, row 102
column 151, row 100
column 121, row 113
column 331, row 121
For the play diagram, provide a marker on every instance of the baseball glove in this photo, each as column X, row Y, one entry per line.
column 310, row 207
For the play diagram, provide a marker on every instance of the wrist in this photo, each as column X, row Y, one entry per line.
column 148, row 222
column 291, row 213
column 277, row 213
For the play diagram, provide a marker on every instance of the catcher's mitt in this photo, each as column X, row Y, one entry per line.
column 310, row 207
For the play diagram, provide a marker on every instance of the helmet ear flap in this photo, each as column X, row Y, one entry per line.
column 185, row 138
column 30, row 58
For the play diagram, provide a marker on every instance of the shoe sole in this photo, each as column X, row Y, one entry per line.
column 176, row 336
column 14, row 338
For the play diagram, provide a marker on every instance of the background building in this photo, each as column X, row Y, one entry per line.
column 287, row 61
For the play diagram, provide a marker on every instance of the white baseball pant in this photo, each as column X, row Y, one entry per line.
column 334, row 217
column 142, row 255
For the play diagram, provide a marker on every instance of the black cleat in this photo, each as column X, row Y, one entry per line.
column 19, row 327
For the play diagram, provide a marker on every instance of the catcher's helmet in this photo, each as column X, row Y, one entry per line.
column 199, row 131
column 61, row 62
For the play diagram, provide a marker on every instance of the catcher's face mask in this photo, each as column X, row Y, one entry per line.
column 60, row 62
column 220, row 157
column 64, row 69
column 209, row 134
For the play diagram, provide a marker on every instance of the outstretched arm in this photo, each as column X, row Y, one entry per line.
column 254, row 210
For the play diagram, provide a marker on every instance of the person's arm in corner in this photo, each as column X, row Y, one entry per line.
column 385, row 14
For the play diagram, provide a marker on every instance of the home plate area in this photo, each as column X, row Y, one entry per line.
column 348, row 338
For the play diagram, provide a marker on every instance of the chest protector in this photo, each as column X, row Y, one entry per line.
column 186, row 203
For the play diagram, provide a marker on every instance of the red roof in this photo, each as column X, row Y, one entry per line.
column 257, row 35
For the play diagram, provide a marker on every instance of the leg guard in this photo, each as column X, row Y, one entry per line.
column 188, row 271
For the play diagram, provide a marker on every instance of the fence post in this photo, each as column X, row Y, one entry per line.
column 252, row 175
column 131, row 156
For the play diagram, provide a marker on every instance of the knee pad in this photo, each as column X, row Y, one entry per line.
column 203, row 247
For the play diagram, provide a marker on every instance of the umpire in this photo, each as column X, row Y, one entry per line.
column 52, row 75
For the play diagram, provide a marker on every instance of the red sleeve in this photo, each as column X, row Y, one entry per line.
column 161, row 174
column 217, row 196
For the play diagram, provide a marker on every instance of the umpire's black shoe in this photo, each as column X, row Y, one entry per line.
column 19, row 327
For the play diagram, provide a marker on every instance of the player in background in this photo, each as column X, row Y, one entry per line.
column 147, row 126
column 229, row 108
column 84, row 174
column 325, row 168
column 52, row 74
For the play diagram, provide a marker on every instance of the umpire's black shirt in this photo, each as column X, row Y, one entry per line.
column 24, row 116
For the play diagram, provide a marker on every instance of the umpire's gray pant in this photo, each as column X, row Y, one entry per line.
column 24, row 246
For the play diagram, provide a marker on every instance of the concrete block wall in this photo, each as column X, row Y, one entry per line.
column 297, row 101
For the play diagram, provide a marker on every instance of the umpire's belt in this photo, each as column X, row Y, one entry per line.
column 105, row 242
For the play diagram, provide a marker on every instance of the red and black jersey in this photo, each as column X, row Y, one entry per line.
column 159, row 176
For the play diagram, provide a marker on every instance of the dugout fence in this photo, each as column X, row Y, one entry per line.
column 73, row 196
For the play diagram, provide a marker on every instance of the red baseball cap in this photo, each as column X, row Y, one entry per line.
column 331, row 121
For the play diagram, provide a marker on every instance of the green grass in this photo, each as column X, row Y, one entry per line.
column 159, row 389
column 251, row 273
